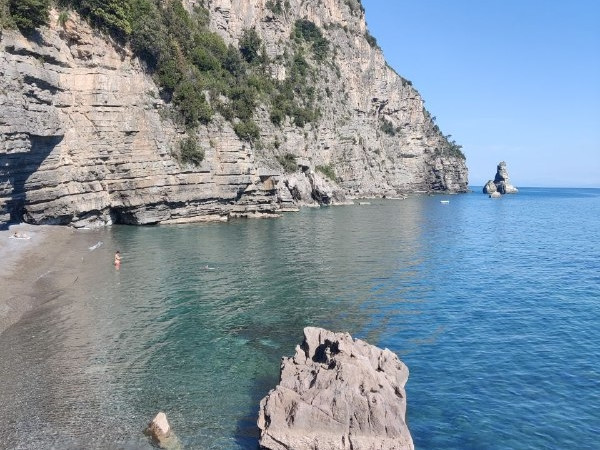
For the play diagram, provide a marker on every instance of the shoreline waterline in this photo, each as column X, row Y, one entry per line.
column 35, row 269
column 48, row 251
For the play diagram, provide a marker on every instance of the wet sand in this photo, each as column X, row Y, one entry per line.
column 35, row 270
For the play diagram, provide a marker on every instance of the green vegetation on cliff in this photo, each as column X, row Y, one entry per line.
column 190, row 151
column 277, row 6
column 200, row 75
column 305, row 30
column 194, row 67
column 328, row 171
column 355, row 6
column 449, row 146
column 25, row 14
column 288, row 162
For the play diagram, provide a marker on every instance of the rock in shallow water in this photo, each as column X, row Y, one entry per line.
column 160, row 431
column 336, row 393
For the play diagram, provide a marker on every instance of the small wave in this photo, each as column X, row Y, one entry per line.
column 95, row 246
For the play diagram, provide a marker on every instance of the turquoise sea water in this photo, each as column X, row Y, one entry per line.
column 494, row 305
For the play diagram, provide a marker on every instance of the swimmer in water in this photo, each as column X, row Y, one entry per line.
column 117, row 258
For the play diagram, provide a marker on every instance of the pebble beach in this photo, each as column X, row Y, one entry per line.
column 33, row 269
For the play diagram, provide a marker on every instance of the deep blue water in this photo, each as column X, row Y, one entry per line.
column 494, row 305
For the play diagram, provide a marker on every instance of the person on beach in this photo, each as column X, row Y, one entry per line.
column 117, row 258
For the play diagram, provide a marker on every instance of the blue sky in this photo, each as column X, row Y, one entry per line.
column 510, row 80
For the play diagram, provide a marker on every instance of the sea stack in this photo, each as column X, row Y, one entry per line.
column 336, row 393
column 501, row 183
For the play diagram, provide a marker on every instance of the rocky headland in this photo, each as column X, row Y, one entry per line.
column 500, row 185
column 88, row 137
column 337, row 393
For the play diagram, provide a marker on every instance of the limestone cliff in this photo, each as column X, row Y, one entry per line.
column 86, row 139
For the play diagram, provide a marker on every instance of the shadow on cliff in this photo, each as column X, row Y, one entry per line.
column 15, row 170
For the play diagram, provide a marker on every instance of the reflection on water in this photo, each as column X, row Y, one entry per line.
column 476, row 296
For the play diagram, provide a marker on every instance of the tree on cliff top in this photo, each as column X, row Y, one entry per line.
column 29, row 14
column 110, row 15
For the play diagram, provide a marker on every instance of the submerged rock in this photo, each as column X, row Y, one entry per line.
column 336, row 393
column 501, row 182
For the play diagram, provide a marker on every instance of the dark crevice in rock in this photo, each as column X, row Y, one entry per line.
column 44, row 57
column 324, row 351
column 42, row 84
column 291, row 414
column 314, row 379
column 398, row 392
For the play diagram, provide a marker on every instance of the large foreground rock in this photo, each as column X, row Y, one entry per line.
column 336, row 393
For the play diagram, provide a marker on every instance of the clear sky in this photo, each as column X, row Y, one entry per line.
column 512, row 80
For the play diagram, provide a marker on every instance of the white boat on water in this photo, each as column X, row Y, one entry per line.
column 445, row 202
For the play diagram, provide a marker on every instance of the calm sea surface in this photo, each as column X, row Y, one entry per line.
column 494, row 305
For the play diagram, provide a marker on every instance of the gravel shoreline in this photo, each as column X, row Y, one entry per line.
column 31, row 268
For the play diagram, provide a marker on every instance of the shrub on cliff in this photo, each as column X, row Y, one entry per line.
column 355, row 6
column 328, row 171
column 388, row 127
column 288, row 162
column 190, row 99
column 455, row 149
column 233, row 62
column 5, row 17
column 247, row 130
column 306, row 30
column 372, row 41
column 190, row 152
column 112, row 16
column 29, row 14
column 149, row 36
column 295, row 97
column 250, row 45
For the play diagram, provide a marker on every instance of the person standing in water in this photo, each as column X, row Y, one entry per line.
column 117, row 259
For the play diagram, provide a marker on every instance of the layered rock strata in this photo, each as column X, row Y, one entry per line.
column 336, row 393
column 85, row 138
column 500, row 184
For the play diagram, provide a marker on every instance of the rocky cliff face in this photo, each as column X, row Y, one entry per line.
column 86, row 140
